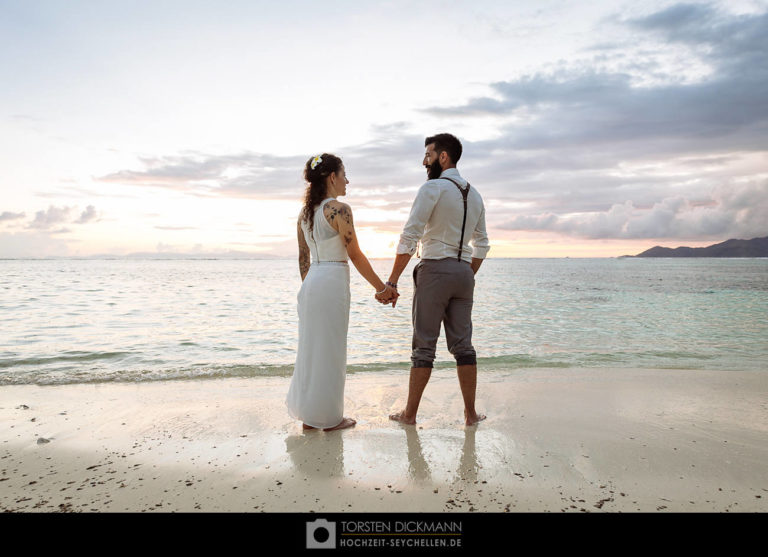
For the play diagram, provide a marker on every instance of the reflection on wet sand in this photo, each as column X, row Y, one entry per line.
column 468, row 466
column 432, row 456
column 317, row 454
column 419, row 468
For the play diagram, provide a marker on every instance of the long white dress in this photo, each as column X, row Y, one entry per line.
column 316, row 394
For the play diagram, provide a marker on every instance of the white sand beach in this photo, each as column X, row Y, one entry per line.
column 578, row 440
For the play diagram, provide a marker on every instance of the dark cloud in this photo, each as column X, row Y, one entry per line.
column 736, row 38
column 601, row 110
column 588, row 107
column 679, row 20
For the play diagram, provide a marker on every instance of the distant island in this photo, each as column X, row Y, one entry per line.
column 756, row 247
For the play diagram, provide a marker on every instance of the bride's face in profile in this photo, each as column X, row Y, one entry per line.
column 338, row 183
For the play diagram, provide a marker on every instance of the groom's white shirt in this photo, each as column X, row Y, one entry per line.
column 435, row 219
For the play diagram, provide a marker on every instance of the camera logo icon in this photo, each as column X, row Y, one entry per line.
column 321, row 534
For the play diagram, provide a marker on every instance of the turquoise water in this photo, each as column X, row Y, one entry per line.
column 70, row 321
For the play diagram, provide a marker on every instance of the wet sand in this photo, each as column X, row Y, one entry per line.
column 578, row 440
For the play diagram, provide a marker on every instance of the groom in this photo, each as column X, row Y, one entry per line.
column 446, row 214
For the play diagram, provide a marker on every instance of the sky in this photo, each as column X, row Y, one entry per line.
column 591, row 129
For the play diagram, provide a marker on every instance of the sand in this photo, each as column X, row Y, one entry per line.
column 578, row 440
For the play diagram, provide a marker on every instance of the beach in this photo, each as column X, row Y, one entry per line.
column 556, row 440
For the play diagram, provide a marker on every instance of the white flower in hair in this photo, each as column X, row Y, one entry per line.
column 317, row 160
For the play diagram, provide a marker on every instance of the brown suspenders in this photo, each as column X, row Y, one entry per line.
column 464, row 194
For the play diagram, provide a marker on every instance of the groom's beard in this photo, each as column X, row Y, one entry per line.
column 434, row 170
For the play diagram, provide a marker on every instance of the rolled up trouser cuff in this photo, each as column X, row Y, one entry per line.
column 466, row 360
column 422, row 363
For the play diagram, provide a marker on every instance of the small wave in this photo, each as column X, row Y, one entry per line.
column 677, row 355
column 158, row 370
column 142, row 375
column 161, row 372
column 72, row 356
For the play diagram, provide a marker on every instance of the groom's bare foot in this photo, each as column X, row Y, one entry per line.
column 343, row 424
column 305, row 426
column 402, row 418
column 473, row 418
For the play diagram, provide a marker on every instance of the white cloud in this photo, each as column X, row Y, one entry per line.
column 50, row 217
column 88, row 215
column 10, row 216
column 735, row 211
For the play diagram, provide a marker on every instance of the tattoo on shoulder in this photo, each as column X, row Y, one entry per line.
column 340, row 211
column 330, row 212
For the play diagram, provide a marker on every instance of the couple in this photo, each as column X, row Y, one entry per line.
column 446, row 215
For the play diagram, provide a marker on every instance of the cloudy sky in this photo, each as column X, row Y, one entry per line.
column 590, row 129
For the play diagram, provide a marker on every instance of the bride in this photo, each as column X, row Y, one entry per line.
column 327, row 232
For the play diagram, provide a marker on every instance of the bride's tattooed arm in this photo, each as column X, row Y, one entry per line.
column 339, row 216
column 304, row 256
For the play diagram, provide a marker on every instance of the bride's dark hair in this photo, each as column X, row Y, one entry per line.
column 316, row 186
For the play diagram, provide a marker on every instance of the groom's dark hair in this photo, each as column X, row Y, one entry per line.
column 446, row 142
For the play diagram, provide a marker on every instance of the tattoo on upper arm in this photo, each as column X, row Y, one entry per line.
column 346, row 214
column 304, row 255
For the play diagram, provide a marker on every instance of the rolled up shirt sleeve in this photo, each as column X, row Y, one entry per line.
column 422, row 208
column 480, row 245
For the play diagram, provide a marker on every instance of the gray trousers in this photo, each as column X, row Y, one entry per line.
column 443, row 292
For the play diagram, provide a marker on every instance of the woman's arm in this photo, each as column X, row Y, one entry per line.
column 304, row 257
column 339, row 215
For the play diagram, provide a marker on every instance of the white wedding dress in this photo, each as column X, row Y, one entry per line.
column 316, row 394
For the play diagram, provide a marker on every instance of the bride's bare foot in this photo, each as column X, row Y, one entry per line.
column 343, row 424
column 402, row 418
column 473, row 418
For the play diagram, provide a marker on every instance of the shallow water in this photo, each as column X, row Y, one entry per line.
column 70, row 321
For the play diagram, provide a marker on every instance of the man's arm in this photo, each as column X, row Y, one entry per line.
column 401, row 262
column 480, row 245
column 422, row 208
column 476, row 264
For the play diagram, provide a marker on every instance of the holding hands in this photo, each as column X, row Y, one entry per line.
column 388, row 295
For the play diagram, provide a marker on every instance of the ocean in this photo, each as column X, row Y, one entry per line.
column 99, row 320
